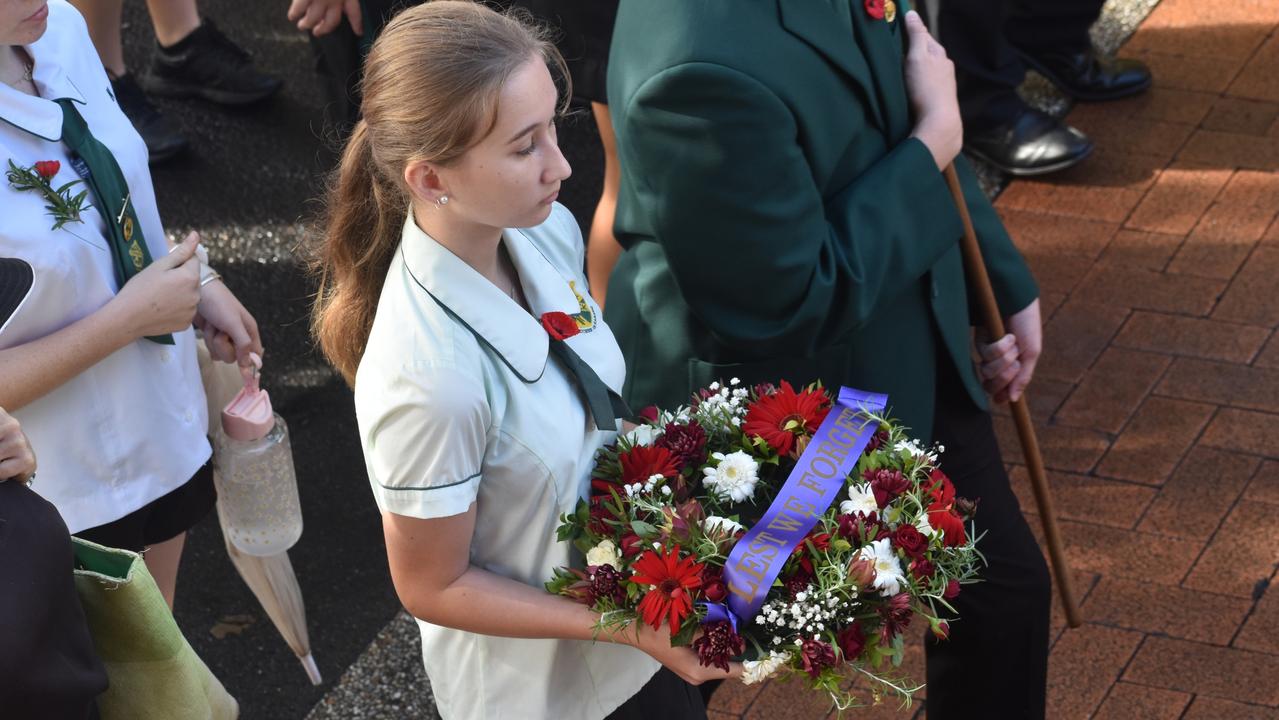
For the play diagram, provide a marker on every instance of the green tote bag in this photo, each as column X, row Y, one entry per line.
column 154, row 674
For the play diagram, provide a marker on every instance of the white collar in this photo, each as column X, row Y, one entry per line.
column 40, row 116
column 485, row 310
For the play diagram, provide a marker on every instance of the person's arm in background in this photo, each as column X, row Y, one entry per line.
column 769, row 265
column 321, row 17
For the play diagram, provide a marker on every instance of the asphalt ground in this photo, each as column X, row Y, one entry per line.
column 249, row 185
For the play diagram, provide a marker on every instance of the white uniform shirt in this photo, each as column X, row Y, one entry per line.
column 458, row 403
column 132, row 427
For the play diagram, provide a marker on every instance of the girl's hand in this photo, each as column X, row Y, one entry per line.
column 229, row 330
column 162, row 298
column 323, row 16
column 680, row 660
column 17, row 460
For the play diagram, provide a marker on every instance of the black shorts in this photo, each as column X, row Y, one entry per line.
column 162, row 519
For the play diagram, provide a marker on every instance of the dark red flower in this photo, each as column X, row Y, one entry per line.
column 649, row 413
column 785, row 415
column 851, row 640
column 47, row 168
column 877, row 440
column 952, row 590
column 686, row 442
column 713, row 586
column 941, row 630
column 911, row 541
column 560, row 326
column 820, row 542
column 644, row 461
column 606, row 582
column 874, row 8
column 922, row 568
column 673, row 581
column 896, row 617
column 886, row 484
column 797, row 583
column 859, row 526
column 600, row 514
column 718, row 644
column 817, row 656
column 631, row 545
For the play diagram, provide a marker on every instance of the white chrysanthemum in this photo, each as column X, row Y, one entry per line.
column 735, row 475
column 754, row 671
column 721, row 527
column 604, row 554
column 643, row 435
column 888, row 571
column 860, row 499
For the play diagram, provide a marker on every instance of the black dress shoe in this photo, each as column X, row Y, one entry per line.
column 1090, row 77
column 207, row 64
column 163, row 137
column 1033, row 143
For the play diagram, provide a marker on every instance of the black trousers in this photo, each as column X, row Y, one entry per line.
column 982, row 37
column 995, row 664
column 48, row 666
column 666, row 697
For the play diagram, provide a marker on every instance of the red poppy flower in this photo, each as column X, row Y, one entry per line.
column 673, row 581
column 560, row 326
column 783, row 416
column 874, row 8
column 47, row 168
column 644, row 461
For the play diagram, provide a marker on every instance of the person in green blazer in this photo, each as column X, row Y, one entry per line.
column 784, row 217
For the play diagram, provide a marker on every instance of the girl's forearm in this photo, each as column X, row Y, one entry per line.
column 483, row 602
column 34, row 369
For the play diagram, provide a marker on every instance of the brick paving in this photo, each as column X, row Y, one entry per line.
column 1157, row 401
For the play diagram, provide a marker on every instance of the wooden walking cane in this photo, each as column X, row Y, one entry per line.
column 980, row 282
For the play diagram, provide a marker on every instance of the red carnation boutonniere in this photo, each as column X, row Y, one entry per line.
column 559, row 325
column 874, row 8
column 61, row 204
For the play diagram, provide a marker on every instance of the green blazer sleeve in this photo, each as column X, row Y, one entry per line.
column 1014, row 285
column 762, row 258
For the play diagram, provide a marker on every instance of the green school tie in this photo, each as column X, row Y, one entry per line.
column 129, row 253
column 605, row 405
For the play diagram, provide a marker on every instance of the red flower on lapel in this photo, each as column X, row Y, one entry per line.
column 874, row 8
column 559, row 325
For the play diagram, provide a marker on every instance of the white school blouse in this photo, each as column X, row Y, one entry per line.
column 459, row 403
column 132, row 427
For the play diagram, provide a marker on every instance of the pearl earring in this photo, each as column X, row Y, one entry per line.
column 442, row 201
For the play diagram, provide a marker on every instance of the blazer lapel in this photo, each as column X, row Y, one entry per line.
column 824, row 24
column 884, row 44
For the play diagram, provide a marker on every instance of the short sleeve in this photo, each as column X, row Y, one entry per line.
column 423, row 433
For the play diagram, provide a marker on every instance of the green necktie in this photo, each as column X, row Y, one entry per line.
column 129, row 253
column 606, row 406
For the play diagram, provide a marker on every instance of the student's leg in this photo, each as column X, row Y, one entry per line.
column 602, row 249
column 103, row 19
column 173, row 19
column 162, row 562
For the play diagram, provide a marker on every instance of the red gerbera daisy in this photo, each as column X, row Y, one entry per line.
column 644, row 461
column 673, row 582
column 941, row 513
column 785, row 415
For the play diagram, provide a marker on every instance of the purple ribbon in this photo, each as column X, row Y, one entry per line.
column 757, row 559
